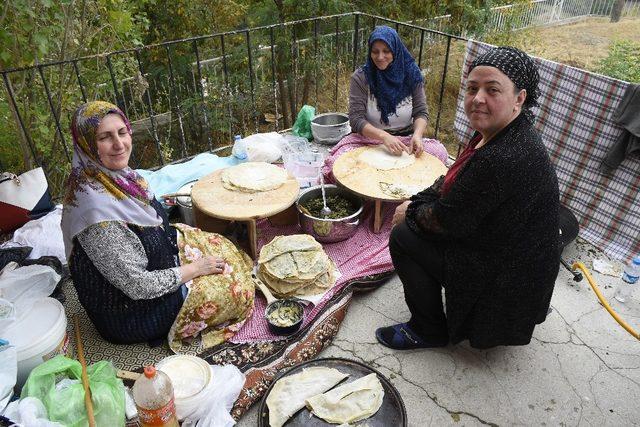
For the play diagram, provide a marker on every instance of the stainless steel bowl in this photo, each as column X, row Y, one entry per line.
column 327, row 230
column 329, row 128
column 184, row 204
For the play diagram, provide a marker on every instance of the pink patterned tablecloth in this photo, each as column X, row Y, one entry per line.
column 364, row 254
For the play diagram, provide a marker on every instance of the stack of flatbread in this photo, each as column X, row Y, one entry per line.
column 295, row 265
column 348, row 403
column 252, row 177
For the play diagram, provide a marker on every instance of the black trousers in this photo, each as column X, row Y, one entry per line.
column 420, row 266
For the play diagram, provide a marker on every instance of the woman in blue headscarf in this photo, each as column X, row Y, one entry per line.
column 386, row 94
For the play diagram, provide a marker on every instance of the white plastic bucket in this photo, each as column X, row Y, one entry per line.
column 190, row 376
column 38, row 335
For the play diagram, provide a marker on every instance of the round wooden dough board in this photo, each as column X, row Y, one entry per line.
column 364, row 180
column 210, row 197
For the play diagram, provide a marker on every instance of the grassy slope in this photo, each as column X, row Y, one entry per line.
column 581, row 45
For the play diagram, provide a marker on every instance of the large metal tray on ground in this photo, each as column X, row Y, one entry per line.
column 391, row 413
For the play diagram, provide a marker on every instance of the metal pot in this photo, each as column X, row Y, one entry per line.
column 326, row 230
column 329, row 128
column 185, row 207
column 569, row 229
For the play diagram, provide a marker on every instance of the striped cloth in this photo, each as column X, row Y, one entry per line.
column 574, row 119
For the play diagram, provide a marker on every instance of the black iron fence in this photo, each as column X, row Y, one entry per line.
column 192, row 95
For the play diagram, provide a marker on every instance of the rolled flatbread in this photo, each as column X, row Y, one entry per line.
column 379, row 158
column 289, row 394
column 350, row 402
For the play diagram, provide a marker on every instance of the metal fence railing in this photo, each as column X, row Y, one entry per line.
column 539, row 13
column 192, row 95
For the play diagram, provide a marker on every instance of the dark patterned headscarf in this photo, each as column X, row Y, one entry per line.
column 519, row 67
column 397, row 81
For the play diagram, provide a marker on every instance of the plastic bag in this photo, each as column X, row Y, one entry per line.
column 29, row 412
column 66, row 404
column 226, row 384
column 302, row 126
column 23, row 286
column 8, row 372
column 264, row 147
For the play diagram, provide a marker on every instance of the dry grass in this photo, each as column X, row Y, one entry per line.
column 582, row 44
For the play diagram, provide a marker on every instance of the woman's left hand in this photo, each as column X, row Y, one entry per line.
column 416, row 145
column 400, row 213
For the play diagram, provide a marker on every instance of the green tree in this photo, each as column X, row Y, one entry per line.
column 38, row 31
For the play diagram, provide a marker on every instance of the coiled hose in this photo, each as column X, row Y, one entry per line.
column 604, row 302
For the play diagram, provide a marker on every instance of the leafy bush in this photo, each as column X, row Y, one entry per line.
column 622, row 62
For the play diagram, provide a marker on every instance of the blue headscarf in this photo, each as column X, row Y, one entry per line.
column 398, row 80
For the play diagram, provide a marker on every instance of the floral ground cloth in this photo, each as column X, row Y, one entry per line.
column 217, row 304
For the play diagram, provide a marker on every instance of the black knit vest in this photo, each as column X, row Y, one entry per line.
column 118, row 318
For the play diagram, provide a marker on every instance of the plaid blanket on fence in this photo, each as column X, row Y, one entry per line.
column 574, row 119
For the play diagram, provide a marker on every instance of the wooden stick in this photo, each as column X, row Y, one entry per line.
column 171, row 195
column 253, row 238
column 377, row 216
column 85, row 378
column 127, row 375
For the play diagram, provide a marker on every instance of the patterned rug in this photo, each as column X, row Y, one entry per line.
column 260, row 361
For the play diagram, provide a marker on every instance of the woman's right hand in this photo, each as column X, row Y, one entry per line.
column 209, row 265
column 393, row 144
column 206, row 265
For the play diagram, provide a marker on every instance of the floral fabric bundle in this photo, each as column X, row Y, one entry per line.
column 217, row 304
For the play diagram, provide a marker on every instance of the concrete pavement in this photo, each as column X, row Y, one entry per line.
column 581, row 367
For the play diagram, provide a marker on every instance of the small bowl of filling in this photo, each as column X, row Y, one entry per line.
column 284, row 316
column 340, row 224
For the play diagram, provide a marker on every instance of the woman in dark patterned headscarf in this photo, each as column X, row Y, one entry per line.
column 487, row 231
column 386, row 94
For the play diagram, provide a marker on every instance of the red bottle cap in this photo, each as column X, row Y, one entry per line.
column 149, row 371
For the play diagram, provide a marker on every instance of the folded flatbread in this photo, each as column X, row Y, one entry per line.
column 288, row 395
column 399, row 191
column 350, row 402
column 291, row 243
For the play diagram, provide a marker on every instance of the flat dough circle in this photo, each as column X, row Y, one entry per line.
column 379, row 158
column 252, row 177
column 390, row 185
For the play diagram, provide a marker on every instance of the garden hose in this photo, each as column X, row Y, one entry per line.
column 604, row 302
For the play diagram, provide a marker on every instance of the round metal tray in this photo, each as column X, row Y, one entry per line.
column 391, row 413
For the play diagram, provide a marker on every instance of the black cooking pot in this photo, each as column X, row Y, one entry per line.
column 569, row 229
column 568, row 226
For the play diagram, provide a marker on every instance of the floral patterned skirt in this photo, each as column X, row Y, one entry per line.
column 217, row 304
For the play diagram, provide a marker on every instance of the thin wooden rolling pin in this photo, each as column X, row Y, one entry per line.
column 85, row 378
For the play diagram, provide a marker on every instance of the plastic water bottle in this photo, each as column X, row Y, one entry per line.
column 153, row 396
column 629, row 280
column 239, row 149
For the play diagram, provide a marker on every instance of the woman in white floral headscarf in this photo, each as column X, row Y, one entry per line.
column 122, row 252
